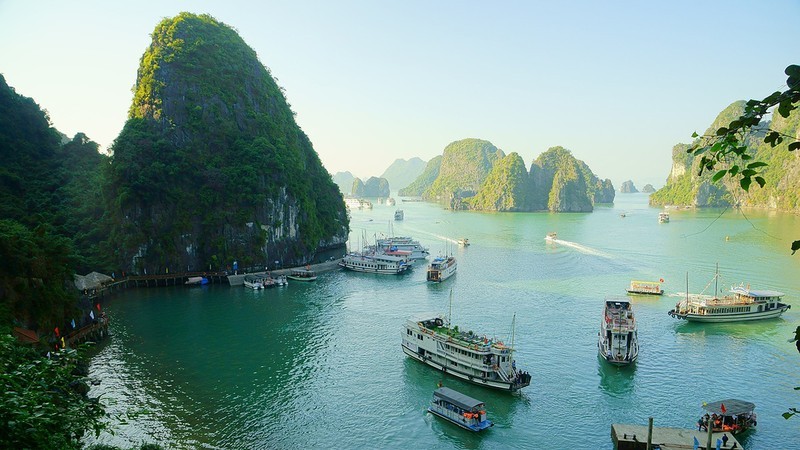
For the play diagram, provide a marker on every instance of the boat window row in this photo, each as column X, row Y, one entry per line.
column 461, row 351
column 740, row 309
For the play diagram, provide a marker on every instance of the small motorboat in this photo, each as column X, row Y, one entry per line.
column 462, row 410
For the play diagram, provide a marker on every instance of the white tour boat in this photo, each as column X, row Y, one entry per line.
column 464, row 242
column 375, row 263
column 663, row 217
column 404, row 243
column 398, row 215
column 475, row 358
column 442, row 268
column 618, row 341
column 553, row 236
column 743, row 304
column 302, row 275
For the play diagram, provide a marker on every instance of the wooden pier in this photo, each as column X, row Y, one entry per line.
column 634, row 437
column 92, row 332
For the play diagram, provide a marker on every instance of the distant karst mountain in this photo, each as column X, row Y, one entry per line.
column 401, row 173
column 648, row 189
column 628, row 188
column 474, row 174
column 424, row 180
column 345, row 181
column 374, row 187
column 782, row 190
column 210, row 166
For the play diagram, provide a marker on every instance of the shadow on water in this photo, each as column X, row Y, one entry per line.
column 616, row 381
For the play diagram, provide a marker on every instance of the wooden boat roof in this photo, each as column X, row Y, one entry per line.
column 457, row 398
column 733, row 407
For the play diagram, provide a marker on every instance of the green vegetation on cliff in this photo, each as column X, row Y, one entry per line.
column 465, row 165
column 211, row 166
column 506, row 188
column 425, row 180
column 685, row 187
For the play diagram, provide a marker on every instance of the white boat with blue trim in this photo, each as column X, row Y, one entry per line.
column 459, row 409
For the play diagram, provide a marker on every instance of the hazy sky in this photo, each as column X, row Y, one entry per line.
column 616, row 82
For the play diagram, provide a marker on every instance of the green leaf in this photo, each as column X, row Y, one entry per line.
column 734, row 170
column 760, row 181
column 756, row 164
column 721, row 131
column 748, row 173
column 700, row 150
column 795, row 246
column 787, row 415
column 694, row 135
column 745, row 183
column 718, row 175
column 794, row 146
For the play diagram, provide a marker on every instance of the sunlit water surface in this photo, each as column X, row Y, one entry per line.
column 319, row 364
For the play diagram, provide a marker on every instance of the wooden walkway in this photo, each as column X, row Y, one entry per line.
column 634, row 437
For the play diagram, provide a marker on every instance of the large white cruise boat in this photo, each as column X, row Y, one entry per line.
column 441, row 268
column 375, row 263
column 406, row 244
column 743, row 304
column 618, row 340
column 475, row 358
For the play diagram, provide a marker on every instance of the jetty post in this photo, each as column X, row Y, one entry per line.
column 710, row 427
column 650, row 433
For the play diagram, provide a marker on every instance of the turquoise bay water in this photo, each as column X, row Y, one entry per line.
column 320, row 365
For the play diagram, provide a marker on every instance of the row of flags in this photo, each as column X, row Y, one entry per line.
column 91, row 314
column 697, row 444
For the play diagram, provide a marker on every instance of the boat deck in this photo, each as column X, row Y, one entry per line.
column 634, row 437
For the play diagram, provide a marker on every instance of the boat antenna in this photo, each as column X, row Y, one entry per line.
column 716, row 282
column 450, row 313
column 513, row 328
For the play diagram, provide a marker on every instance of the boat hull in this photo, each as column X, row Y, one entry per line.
column 500, row 385
column 635, row 292
column 732, row 317
column 301, row 278
column 476, row 428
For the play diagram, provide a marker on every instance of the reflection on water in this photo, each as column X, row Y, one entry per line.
column 615, row 381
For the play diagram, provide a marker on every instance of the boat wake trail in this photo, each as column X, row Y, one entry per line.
column 581, row 248
column 437, row 236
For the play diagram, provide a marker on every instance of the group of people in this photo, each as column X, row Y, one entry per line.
column 719, row 423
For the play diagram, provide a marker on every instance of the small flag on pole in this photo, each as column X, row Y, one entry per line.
column 98, row 306
column 73, row 324
column 722, row 407
column 696, row 443
column 56, row 330
column 63, row 344
column 48, row 355
column 719, row 444
column 91, row 314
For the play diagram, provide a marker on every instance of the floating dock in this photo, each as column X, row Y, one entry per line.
column 634, row 437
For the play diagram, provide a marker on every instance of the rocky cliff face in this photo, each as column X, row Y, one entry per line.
column 628, row 187
column 211, row 166
column 648, row 189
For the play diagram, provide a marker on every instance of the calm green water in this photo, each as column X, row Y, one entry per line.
column 320, row 365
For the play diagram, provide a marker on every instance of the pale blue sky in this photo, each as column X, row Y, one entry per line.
column 616, row 82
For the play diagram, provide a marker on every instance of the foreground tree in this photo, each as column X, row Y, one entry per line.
column 43, row 401
column 727, row 145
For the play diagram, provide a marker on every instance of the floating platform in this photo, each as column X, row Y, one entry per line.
column 634, row 437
